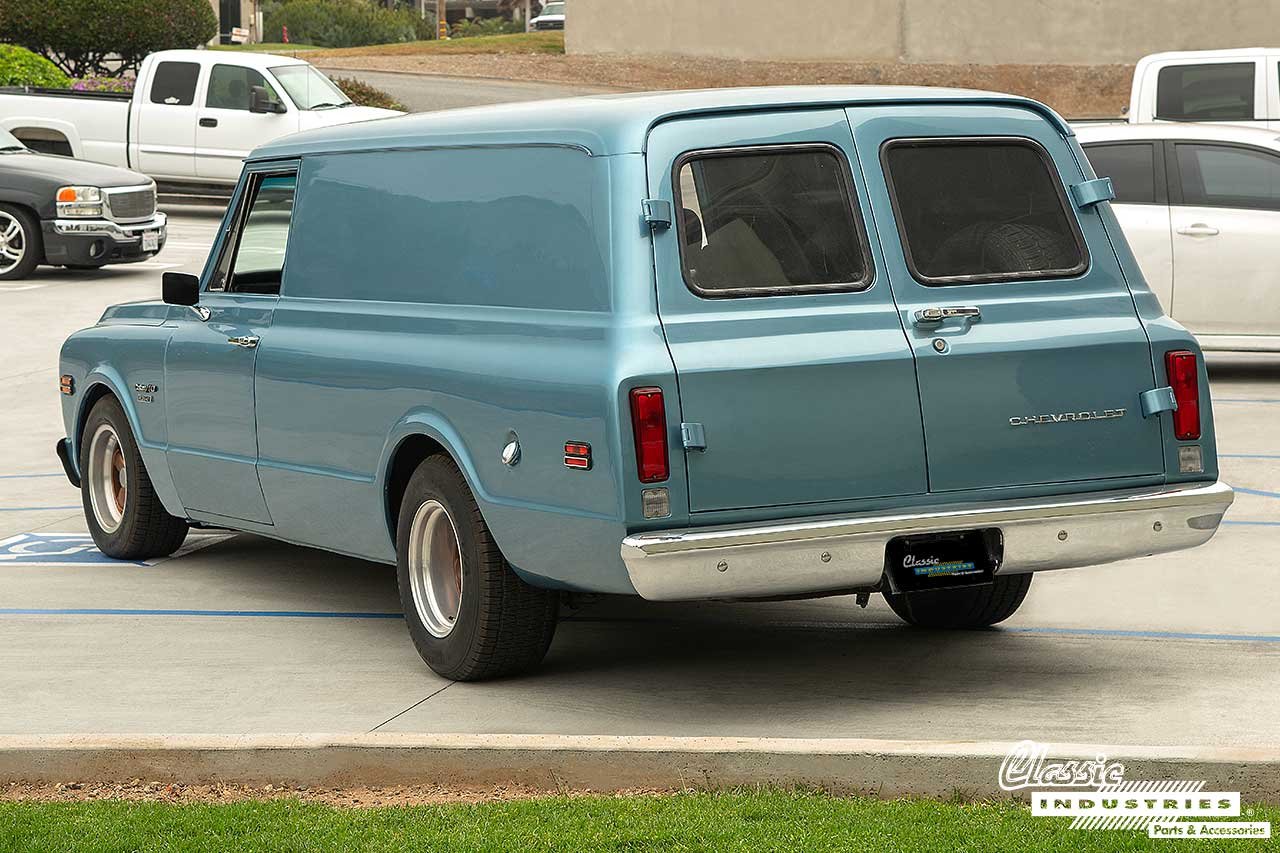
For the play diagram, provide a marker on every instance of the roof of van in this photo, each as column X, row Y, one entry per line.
column 607, row 124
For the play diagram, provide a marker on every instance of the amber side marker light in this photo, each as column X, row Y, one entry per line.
column 1183, row 372
column 67, row 384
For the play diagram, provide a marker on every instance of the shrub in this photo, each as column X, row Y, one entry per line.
column 82, row 36
column 365, row 95
column 484, row 27
column 339, row 23
column 21, row 67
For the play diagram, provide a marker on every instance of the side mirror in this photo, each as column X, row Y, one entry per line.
column 260, row 101
column 181, row 288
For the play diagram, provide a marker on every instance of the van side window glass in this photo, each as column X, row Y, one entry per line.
column 230, row 87
column 981, row 210
column 1131, row 168
column 1215, row 92
column 1222, row 176
column 257, row 263
column 772, row 221
column 174, row 84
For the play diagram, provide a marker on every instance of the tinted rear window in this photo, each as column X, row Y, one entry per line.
column 1131, row 168
column 1221, row 91
column 972, row 211
column 768, row 221
column 175, row 84
column 1228, row 176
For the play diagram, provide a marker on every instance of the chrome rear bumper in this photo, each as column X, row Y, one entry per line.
column 814, row 555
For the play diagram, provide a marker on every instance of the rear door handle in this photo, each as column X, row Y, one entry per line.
column 1199, row 229
column 208, row 122
column 246, row 341
column 934, row 316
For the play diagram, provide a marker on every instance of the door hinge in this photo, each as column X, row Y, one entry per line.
column 657, row 213
column 693, row 437
column 1157, row 400
column 1092, row 192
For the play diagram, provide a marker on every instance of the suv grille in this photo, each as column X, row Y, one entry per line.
column 132, row 204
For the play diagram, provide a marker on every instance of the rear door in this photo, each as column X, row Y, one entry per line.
column 166, row 119
column 1034, row 374
column 787, row 345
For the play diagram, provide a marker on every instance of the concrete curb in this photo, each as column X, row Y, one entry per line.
column 600, row 763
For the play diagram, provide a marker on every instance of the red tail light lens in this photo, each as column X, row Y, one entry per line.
column 649, row 425
column 1183, row 372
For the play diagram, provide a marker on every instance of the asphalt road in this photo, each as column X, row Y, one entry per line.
column 424, row 92
column 245, row 635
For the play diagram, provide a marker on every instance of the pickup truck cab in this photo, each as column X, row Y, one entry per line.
column 725, row 344
column 1239, row 86
column 193, row 117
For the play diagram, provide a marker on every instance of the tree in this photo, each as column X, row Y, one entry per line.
column 105, row 37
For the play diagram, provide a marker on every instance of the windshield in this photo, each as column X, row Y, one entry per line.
column 9, row 142
column 309, row 89
column 553, row 9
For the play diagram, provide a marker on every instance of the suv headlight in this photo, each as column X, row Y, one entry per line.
column 79, row 201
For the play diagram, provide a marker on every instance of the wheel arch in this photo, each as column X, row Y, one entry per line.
column 417, row 437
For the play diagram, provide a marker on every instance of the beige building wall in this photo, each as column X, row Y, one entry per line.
column 980, row 31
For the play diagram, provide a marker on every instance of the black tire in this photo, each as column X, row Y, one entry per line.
column 1003, row 247
column 32, row 243
column 503, row 625
column 963, row 607
column 145, row 529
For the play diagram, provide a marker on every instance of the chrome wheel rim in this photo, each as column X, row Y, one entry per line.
column 435, row 568
column 108, row 478
column 13, row 242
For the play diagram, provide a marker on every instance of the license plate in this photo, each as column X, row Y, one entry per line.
column 942, row 560
column 150, row 241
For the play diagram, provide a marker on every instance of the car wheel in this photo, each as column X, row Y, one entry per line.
column 21, row 248
column 963, row 607
column 126, row 519
column 470, row 616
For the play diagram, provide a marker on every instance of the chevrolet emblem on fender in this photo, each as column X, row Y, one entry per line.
column 1067, row 417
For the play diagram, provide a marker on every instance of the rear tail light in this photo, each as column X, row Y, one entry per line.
column 649, row 425
column 1183, row 372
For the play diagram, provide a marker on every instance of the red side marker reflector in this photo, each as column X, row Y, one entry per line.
column 1183, row 372
column 577, row 454
column 67, row 383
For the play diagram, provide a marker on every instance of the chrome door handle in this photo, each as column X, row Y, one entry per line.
column 1199, row 229
column 246, row 341
column 933, row 316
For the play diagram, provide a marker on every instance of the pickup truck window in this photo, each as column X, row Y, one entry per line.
column 256, row 265
column 981, row 210
column 1215, row 92
column 761, row 221
column 308, row 88
column 174, row 83
column 1131, row 168
column 230, row 87
column 1228, row 176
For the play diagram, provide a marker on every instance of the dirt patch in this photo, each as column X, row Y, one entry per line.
column 1074, row 90
column 352, row 797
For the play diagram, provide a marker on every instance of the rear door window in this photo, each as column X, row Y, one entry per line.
column 774, row 220
column 1221, row 91
column 174, row 84
column 1131, row 168
column 976, row 210
column 1228, row 176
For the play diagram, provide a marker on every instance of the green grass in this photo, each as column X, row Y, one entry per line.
column 265, row 47
column 544, row 42
column 743, row 821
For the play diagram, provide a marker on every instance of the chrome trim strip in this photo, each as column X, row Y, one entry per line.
column 126, row 232
column 812, row 555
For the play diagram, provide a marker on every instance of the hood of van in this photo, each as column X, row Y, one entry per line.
column 312, row 119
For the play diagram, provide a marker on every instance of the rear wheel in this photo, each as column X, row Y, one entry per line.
column 470, row 616
column 125, row 516
column 963, row 607
column 20, row 246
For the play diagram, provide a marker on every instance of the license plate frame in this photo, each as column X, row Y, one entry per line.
column 151, row 241
column 943, row 560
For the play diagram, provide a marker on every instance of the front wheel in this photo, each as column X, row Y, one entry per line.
column 470, row 616
column 963, row 607
column 20, row 246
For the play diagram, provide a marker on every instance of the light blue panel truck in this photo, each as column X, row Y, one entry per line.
column 740, row 344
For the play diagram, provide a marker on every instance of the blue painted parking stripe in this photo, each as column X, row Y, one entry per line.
column 35, row 508
column 1249, row 455
column 1152, row 635
column 1243, row 400
column 28, row 476
column 110, row 611
column 1254, row 523
column 1259, row 492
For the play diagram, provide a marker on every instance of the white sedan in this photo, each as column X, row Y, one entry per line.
column 1200, row 205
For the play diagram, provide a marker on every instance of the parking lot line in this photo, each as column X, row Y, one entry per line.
column 276, row 614
column 37, row 508
column 1147, row 635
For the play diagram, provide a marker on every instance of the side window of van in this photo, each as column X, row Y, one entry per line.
column 254, row 263
column 754, row 222
column 1221, row 91
column 975, row 210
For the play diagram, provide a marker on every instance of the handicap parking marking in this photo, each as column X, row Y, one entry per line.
column 77, row 549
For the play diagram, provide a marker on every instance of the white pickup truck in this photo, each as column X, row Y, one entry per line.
column 1239, row 86
column 193, row 117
